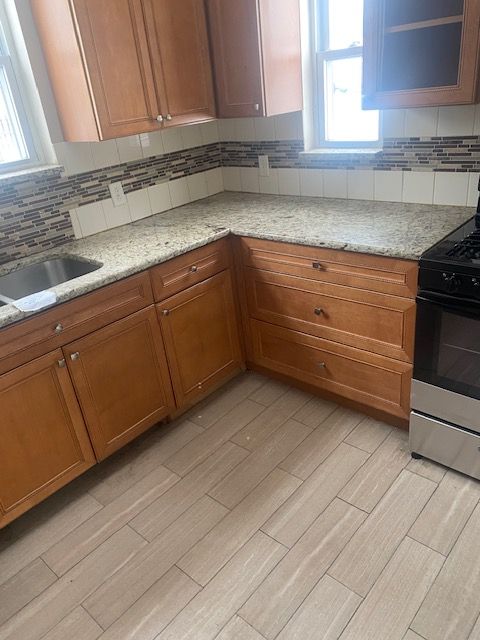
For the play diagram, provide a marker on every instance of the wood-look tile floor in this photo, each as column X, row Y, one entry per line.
column 263, row 513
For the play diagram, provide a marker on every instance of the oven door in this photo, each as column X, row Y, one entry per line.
column 447, row 344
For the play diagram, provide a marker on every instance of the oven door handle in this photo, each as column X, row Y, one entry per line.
column 458, row 306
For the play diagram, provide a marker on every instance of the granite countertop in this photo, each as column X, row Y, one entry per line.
column 387, row 229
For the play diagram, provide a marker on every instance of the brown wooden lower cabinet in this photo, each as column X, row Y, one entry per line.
column 121, row 378
column 200, row 330
column 43, row 439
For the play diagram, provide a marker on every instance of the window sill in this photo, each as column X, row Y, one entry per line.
column 343, row 151
column 32, row 173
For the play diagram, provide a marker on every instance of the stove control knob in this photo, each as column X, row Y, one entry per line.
column 452, row 282
column 476, row 283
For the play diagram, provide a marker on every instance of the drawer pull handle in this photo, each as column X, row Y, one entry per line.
column 62, row 363
column 322, row 365
column 166, row 312
column 194, row 268
column 159, row 118
column 318, row 265
column 59, row 328
column 74, row 356
column 318, row 311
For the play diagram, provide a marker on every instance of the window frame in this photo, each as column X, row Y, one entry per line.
column 14, row 78
column 322, row 55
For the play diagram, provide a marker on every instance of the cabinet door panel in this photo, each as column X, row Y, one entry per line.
column 43, row 440
column 201, row 337
column 116, row 51
column 178, row 40
column 121, row 378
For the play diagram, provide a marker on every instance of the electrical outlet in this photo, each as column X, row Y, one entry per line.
column 264, row 166
column 118, row 196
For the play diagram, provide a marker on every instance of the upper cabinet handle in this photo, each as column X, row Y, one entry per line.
column 194, row 268
column 159, row 118
column 75, row 356
column 168, row 117
column 318, row 265
column 59, row 328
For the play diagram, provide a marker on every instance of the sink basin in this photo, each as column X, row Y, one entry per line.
column 41, row 276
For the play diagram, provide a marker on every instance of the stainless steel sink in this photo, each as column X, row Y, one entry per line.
column 41, row 276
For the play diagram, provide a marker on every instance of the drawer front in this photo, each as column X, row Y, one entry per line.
column 54, row 328
column 446, row 444
column 372, row 380
column 376, row 322
column 182, row 272
column 373, row 273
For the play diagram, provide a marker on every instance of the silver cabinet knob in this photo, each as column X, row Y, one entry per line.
column 318, row 311
column 168, row 117
column 318, row 265
column 166, row 312
column 322, row 365
column 59, row 328
column 256, row 106
column 194, row 268
column 75, row 356
column 62, row 363
column 160, row 118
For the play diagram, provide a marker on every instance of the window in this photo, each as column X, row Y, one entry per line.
column 339, row 40
column 16, row 145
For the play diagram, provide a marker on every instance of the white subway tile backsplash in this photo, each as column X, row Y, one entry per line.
column 360, row 185
column 227, row 130
column 129, row 148
column 209, row 131
column 214, row 179
column 92, row 219
column 269, row 184
column 393, row 123
column 289, row 182
column 288, row 126
column 172, row 140
column 105, row 154
column 472, row 196
column 152, row 144
column 264, row 128
column 418, row 187
column 456, row 121
column 116, row 216
column 77, row 229
column 249, row 179
column 244, row 129
column 231, row 179
column 197, row 186
column 421, row 122
column 451, row 188
column 388, row 186
column 139, row 204
column 335, row 183
column 311, row 182
column 179, row 192
column 191, row 136
column 77, row 157
column 159, row 196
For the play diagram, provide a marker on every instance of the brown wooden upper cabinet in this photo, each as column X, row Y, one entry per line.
column 420, row 53
column 121, row 67
column 257, row 56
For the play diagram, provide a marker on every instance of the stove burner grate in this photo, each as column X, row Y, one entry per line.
column 466, row 249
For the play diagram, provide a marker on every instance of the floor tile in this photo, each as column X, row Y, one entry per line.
column 291, row 521
column 447, row 512
column 452, row 606
column 212, row 608
column 321, row 442
column 79, row 543
column 390, row 606
column 238, row 629
column 204, row 444
column 367, row 553
column 64, row 595
column 374, row 479
column 369, row 434
column 257, row 431
column 151, row 613
column 78, row 625
column 427, row 469
column 411, row 635
column 117, row 594
column 314, row 412
column 249, row 473
column 161, row 513
column 280, row 595
column 23, row 587
column 269, row 392
column 209, row 555
column 324, row 614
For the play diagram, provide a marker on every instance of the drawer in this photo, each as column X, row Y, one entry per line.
column 444, row 443
column 69, row 321
column 373, row 321
column 358, row 270
column 180, row 273
column 372, row 380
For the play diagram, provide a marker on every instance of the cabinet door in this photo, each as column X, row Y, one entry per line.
column 121, row 378
column 420, row 53
column 235, row 37
column 115, row 47
column 43, row 440
column 178, row 39
column 201, row 337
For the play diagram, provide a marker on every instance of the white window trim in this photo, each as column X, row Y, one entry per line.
column 314, row 109
column 26, row 97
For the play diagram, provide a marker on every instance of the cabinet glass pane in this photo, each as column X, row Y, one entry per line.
column 345, row 121
column 345, row 23
column 399, row 12
column 421, row 58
